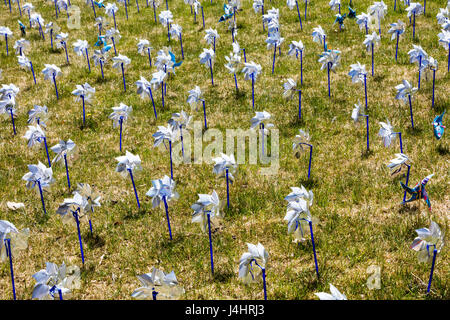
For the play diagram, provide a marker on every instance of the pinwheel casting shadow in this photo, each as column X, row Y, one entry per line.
column 359, row 74
column 207, row 58
column 225, row 166
column 195, row 96
column 251, row 71
column 54, row 280
column 63, row 150
column 397, row 28
column 330, row 60
column 40, row 176
column 259, row 120
column 81, row 49
column 50, row 73
column 396, row 165
column 428, row 237
column 38, row 115
column 12, row 241
column 388, row 135
column 234, row 62
column 24, row 62
column 294, row 49
column 207, row 211
column 300, row 140
column 418, row 192
column 290, row 88
column 163, row 191
column 299, row 217
column 259, row 255
column 405, row 92
column 128, row 164
column 158, row 285
column 8, row 103
column 121, row 62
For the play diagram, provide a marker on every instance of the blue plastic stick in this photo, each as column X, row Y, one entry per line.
column 126, row 9
column 67, row 55
column 407, row 180
column 42, row 196
column 299, row 18
column 56, row 87
column 299, row 104
column 414, row 24
column 162, row 93
column 114, row 45
column 60, row 294
column 262, row 136
column 101, row 68
column 210, row 68
column 181, row 138
column 67, row 170
column 324, row 43
column 120, row 139
column 6, row 40
column 87, row 58
column 365, row 89
column 46, row 150
column 274, row 55
column 137, row 5
column 171, row 167
column 314, row 248
column 410, row 110
column 204, row 113
column 253, row 92
column 8, row 253
column 149, row 57
column 167, row 215
column 203, row 18
column 84, row 111
column 301, row 67
column 12, row 120
column 228, row 189
column 432, row 269
column 93, row 8
column 264, row 282
column 123, row 77
column 372, row 59
column 90, row 226
column 367, row 131
column 306, row 7
column 114, row 17
column 329, row 89
column 153, row 102
column 235, row 82
column 396, row 47
column 134, row 187
column 154, row 11
column 181, row 44
column 75, row 215
column 210, row 244
column 56, row 9
column 310, row 158
column 448, row 62
column 168, row 34
column 32, row 71
column 51, row 38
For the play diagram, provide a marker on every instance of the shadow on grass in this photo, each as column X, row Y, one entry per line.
column 89, row 124
column 379, row 77
column 240, row 94
column 366, row 153
column 309, row 183
column 409, row 209
column 417, row 131
column 223, row 276
column 93, row 241
column 440, row 106
column 135, row 214
column 442, row 150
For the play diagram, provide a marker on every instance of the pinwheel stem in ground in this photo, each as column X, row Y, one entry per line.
column 67, row 55
column 235, row 82
column 12, row 120
column 365, row 89
column 123, row 77
column 245, row 57
column 414, row 25
column 8, row 254
column 153, row 101
column 181, row 138
column 299, row 18
column 46, row 150
column 67, row 170
column 32, row 71
column 75, row 215
column 56, row 88
column 410, row 111
column 400, row 137
column 42, row 196
column 407, row 180
column 253, row 92
column 204, row 114
column 93, row 8
column 274, row 55
column 87, row 58
column 420, row 65
column 228, row 188
column 90, row 226
column 101, row 68
column 51, row 38
column 162, row 93
column 137, row 5
column 310, row 157
column 126, row 9
column 367, row 130
column 154, row 11
column 314, row 249
column 9, row 1
column 299, row 104
column 171, row 166
column 210, row 243
column 203, row 18
column 56, row 9
column 114, row 45
column 210, row 68
column 328, row 70
column 120, row 138
column 6, row 41
column 167, row 215
column 181, row 44
column 432, row 268
column 84, row 111
column 261, row 128
column 372, row 59
column 134, row 187
column 396, row 47
column 114, row 17
column 306, row 7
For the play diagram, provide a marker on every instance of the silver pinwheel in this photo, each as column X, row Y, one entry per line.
column 256, row 254
column 128, row 164
column 158, row 285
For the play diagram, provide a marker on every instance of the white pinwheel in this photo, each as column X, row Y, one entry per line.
column 34, row 135
column 224, row 164
column 6, row 32
column 378, row 10
column 21, row 46
column 56, row 280
column 298, row 215
column 335, row 5
column 80, row 47
column 404, row 91
column 158, row 79
column 162, row 190
column 300, row 140
column 356, row 112
column 371, row 40
column 295, row 47
column 84, row 92
column 335, row 294
column 414, row 8
column 120, row 114
column 319, row 35
column 386, row 133
column 426, row 238
column 176, row 30
column 195, row 96
column 70, row 206
column 256, row 253
column 258, row 6
column 9, row 90
column 207, row 57
column 63, row 149
column 128, row 162
column 207, row 204
column 397, row 28
column 168, row 133
column 251, row 70
column 51, row 72
column 39, row 174
column 363, row 21
column 443, row 18
column 395, row 165
column 164, row 61
column 181, row 120
column 144, row 46
column 91, row 198
column 290, row 88
column 166, row 18
column 111, row 9
column 357, row 72
column 211, row 37
column 120, row 61
column 233, row 60
column 158, row 285
column 18, row 240
column 330, row 59
column 38, row 115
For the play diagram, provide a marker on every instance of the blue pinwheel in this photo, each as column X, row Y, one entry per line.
column 418, row 192
column 175, row 63
column 228, row 13
column 438, row 127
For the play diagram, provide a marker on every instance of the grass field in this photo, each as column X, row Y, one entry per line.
column 362, row 222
